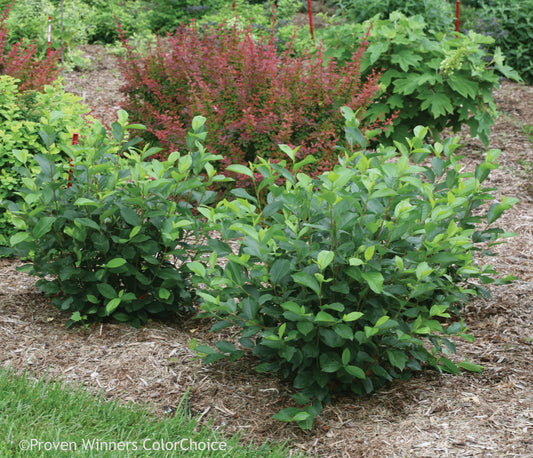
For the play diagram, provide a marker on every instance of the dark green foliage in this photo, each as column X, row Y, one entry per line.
column 436, row 80
column 439, row 14
column 108, row 233
column 166, row 16
column 514, row 32
column 353, row 279
column 132, row 15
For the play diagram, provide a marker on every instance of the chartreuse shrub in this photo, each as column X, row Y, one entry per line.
column 437, row 80
column 22, row 115
column 355, row 278
column 254, row 97
column 108, row 236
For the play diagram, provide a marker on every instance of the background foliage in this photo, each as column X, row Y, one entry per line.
column 514, row 22
column 23, row 61
column 438, row 14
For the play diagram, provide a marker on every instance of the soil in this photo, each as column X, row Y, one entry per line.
column 473, row 414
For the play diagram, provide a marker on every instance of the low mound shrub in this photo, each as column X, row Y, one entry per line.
column 254, row 97
column 436, row 80
column 352, row 279
column 108, row 232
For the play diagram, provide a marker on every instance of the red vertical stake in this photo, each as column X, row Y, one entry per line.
column 457, row 10
column 74, row 142
column 310, row 19
column 49, row 49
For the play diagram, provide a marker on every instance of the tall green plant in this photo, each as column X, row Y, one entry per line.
column 355, row 278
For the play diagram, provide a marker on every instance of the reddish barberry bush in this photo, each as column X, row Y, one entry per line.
column 254, row 97
column 21, row 61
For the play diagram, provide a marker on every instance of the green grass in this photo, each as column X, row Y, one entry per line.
column 44, row 415
column 528, row 131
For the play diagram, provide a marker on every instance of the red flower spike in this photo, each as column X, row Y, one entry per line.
column 74, row 142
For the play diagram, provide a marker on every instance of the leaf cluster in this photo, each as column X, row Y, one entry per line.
column 354, row 278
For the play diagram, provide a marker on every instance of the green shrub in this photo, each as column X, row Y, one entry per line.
column 439, row 14
column 133, row 18
column 515, row 19
column 22, row 116
column 261, row 22
column 108, row 237
column 353, row 279
column 28, row 21
column 440, row 81
column 166, row 16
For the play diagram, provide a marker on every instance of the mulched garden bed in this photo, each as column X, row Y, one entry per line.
column 487, row 414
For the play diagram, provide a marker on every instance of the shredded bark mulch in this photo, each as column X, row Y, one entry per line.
column 486, row 414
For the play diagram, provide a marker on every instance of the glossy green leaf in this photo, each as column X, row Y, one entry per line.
column 375, row 281
column 355, row 371
column 43, row 226
column 115, row 263
column 307, row 280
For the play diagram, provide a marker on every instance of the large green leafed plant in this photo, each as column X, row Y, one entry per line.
column 353, row 279
column 436, row 80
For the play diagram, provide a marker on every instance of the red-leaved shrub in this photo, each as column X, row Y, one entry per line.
column 22, row 62
column 253, row 97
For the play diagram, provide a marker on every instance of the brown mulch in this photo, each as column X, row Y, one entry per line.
column 487, row 414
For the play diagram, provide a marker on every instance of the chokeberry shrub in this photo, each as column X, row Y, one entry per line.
column 354, row 278
column 110, row 232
